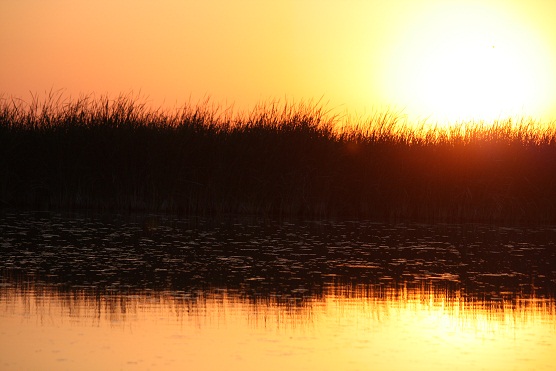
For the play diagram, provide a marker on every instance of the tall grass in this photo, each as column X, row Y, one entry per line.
column 277, row 160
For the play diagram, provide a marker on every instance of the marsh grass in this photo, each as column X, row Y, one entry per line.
column 290, row 160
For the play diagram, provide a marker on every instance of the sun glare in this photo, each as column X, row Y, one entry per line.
column 432, row 60
column 472, row 62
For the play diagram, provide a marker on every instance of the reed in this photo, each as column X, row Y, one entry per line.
column 290, row 160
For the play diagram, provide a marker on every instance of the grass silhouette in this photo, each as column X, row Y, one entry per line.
column 279, row 160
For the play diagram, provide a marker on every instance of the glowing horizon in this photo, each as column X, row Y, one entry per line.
column 428, row 60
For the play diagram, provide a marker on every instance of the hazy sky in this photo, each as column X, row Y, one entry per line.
column 437, row 58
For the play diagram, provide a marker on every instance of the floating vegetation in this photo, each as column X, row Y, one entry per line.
column 112, row 252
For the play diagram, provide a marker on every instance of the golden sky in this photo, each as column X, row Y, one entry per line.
column 435, row 59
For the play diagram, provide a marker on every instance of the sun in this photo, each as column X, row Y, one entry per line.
column 470, row 62
column 469, row 77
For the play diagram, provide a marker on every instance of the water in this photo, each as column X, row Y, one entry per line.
column 154, row 292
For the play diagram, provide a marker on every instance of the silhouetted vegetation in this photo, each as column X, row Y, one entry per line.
column 278, row 160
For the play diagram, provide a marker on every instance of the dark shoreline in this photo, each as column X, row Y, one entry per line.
column 118, row 156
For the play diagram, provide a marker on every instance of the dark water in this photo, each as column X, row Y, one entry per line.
column 319, row 295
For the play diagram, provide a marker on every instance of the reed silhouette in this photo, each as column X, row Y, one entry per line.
column 279, row 160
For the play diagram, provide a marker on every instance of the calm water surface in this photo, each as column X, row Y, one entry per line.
column 154, row 292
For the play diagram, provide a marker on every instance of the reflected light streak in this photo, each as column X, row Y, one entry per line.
column 383, row 327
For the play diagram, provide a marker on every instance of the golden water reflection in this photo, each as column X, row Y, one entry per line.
column 379, row 327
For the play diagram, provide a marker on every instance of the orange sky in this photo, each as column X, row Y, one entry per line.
column 435, row 59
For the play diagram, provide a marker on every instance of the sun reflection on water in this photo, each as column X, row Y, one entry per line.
column 388, row 326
